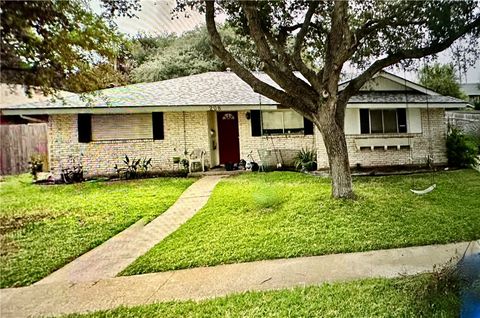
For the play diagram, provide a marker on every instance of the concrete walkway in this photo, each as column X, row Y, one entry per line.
column 114, row 255
column 208, row 282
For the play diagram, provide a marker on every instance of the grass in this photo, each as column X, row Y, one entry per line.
column 404, row 297
column 44, row 227
column 284, row 214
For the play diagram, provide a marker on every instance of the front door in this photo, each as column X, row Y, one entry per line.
column 228, row 143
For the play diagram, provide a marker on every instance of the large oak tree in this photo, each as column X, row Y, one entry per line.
column 320, row 38
column 46, row 43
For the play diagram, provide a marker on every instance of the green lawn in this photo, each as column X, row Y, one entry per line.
column 44, row 227
column 405, row 297
column 285, row 214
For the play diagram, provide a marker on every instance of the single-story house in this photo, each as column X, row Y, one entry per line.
column 392, row 121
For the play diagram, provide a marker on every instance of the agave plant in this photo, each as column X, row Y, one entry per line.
column 306, row 159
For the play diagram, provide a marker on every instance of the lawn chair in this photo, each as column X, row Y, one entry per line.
column 196, row 156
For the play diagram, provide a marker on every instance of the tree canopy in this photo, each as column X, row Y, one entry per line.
column 321, row 38
column 46, row 42
column 442, row 79
column 169, row 56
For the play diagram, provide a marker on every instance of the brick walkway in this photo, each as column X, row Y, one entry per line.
column 110, row 258
column 208, row 282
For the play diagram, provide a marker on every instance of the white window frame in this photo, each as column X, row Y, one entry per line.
column 285, row 131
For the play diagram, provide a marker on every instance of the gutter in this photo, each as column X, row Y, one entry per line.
column 35, row 120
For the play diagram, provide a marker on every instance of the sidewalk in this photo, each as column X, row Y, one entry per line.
column 114, row 255
column 208, row 282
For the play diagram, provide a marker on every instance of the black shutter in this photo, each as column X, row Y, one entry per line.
column 256, row 121
column 307, row 127
column 364, row 121
column 84, row 126
column 402, row 120
column 157, row 125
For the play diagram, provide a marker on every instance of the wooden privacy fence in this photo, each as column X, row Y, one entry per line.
column 20, row 142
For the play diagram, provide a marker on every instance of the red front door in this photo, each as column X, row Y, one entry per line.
column 228, row 143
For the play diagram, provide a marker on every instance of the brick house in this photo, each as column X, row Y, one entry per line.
column 392, row 121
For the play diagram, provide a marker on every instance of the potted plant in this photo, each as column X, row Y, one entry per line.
column 35, row 165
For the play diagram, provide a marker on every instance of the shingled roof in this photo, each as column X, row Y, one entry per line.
column 211, row 89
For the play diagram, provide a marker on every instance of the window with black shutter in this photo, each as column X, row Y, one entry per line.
column 157, row 126
column 307, row 127
column 84, row 126
column 256, row 122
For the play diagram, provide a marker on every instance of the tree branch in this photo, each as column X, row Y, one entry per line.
column 282, row 74
column 309, row 74
column 257, row 85
column 354, row 86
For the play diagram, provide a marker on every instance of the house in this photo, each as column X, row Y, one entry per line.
column 392, row 121
column 472, row 90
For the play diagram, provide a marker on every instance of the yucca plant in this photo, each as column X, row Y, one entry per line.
column 306, row 160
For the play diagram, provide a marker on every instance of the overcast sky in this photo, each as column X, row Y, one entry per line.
column 156, row 18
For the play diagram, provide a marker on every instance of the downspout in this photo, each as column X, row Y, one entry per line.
column 35, row 120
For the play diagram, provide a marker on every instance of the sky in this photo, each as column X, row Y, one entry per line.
column 156, row 17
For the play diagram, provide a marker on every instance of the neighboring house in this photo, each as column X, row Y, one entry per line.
column 472, row 90
column 390, row 122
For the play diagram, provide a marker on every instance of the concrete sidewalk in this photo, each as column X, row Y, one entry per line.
column 114, row 255
column 208, row 282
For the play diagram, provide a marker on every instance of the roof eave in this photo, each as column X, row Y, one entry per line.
column 132, row 109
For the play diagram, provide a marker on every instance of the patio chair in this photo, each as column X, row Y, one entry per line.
column 196, row 156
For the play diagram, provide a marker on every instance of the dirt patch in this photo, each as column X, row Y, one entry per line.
column 10, row 224
column 7, row 246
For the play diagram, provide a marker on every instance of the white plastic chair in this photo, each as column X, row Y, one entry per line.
column 196, row 156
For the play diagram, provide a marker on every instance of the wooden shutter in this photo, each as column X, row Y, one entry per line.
column 84, row 126
column 157, row 125
column 256, row 122
column 364, row 121
column 402, row 120
column 307, row 127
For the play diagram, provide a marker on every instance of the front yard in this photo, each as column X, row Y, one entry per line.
column 285, row 214
column 418, row 296
column 44, row 227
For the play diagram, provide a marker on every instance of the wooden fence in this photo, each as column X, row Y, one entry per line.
column 18, row 143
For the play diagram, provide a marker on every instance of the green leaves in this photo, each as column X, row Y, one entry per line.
column 441, row 79
column 169, row 56
column 46, row 42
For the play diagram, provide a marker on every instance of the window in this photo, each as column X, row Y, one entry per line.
column 121, row 127
column 383, row 121
column 282, row 122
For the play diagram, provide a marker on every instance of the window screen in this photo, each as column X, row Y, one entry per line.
column 122, row 127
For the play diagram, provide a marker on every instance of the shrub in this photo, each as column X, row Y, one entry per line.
column 134, row 168
column 306, row 160
column 476, row 105
column 35, row 165
column 73, row 172
column 461, row 151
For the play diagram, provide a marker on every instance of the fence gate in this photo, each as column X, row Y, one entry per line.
column 18, row 143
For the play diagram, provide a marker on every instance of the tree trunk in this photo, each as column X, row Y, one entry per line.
column 336, row 145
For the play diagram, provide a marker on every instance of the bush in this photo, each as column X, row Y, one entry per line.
column 306, row 160
column 73, row 172
column 461, row 151
column 133, row 168
column 35, row 165
column 476, row 105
